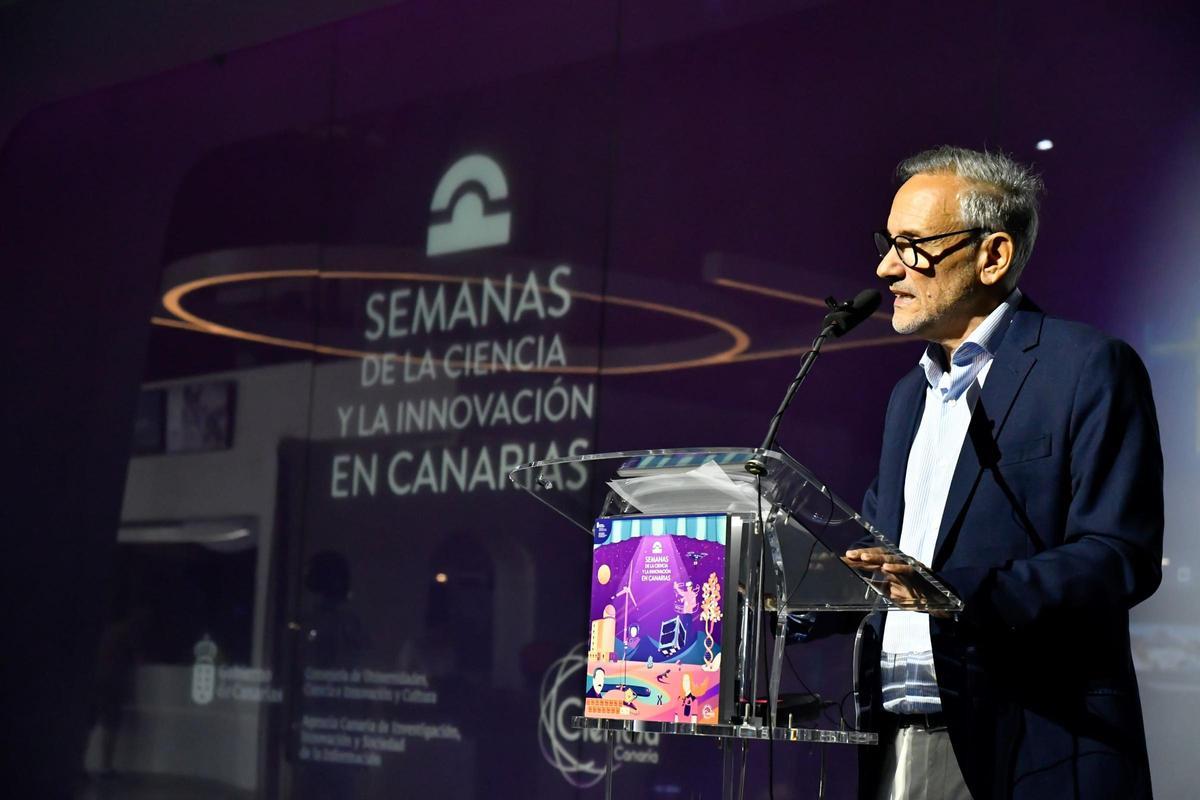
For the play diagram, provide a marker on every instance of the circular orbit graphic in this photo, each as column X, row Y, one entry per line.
column 173, row 301
column 555, row 737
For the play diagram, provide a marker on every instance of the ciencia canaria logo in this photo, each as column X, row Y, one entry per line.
column 577, row 754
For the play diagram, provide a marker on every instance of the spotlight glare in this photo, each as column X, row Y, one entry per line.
column 1045, row 144
column 441, row 577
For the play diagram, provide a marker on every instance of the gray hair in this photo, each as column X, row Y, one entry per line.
column 1002, row 195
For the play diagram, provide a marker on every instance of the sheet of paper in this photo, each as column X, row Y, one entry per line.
column 705, row 489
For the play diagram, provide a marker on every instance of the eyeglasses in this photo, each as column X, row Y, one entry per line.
column 906, row 246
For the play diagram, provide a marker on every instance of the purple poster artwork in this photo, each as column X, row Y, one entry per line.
column 658, row 591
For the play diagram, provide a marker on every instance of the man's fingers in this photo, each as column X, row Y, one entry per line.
column 864, row 552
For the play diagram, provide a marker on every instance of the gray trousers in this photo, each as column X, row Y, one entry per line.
column 919, row 764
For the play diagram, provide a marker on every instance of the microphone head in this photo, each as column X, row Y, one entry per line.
column 847, row 315
column 867, row 301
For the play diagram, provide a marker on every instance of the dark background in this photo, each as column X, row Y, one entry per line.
column 654, row 148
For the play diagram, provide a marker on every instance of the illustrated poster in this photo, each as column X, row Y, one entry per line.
column 654, row 645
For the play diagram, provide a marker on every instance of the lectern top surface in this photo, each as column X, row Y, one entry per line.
column 808, row 527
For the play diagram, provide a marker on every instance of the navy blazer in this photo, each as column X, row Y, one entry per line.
column 1052, row 531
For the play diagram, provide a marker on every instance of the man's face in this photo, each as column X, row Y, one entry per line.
column 933, row 299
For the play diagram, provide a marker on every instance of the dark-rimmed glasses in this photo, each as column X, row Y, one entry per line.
column 906, row 246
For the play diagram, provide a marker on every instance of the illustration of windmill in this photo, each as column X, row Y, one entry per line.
column 627, row 591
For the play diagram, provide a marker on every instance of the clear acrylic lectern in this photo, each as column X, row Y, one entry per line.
column 686, row 658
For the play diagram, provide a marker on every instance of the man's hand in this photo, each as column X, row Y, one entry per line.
column 892, row 570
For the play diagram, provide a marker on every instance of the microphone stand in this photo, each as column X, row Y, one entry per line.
column 841, row 318
column 833, row 322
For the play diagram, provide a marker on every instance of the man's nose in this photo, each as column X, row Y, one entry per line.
column 890, row 266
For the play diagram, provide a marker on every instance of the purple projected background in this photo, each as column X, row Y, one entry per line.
column 707, row 174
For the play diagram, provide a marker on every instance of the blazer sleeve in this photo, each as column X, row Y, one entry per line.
column 870, row 502
column 1110, row 552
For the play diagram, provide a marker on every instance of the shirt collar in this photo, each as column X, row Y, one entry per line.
column 980, row 346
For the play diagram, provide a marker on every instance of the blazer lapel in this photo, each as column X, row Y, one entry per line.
column 1009, row 369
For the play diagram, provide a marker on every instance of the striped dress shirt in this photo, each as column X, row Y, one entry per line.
column 907, row 672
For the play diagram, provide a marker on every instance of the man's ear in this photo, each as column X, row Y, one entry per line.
column 994, row 258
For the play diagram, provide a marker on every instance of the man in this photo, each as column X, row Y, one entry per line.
column 1021, row 463
column 597, row 687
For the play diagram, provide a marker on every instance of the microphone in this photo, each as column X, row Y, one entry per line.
column 844, row 317
column 841, row 319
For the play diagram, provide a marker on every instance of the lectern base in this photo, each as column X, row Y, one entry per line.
column 750, row 732
column 735, row 741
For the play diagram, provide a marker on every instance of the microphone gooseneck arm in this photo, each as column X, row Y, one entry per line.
column 842, row 317
column 756, row 466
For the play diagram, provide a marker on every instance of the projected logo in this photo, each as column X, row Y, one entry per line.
column 467, row 209
column 566, row 748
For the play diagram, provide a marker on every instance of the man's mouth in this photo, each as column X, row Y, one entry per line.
column 903, row 298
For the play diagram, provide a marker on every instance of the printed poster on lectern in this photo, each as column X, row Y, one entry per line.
column 657, row 602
